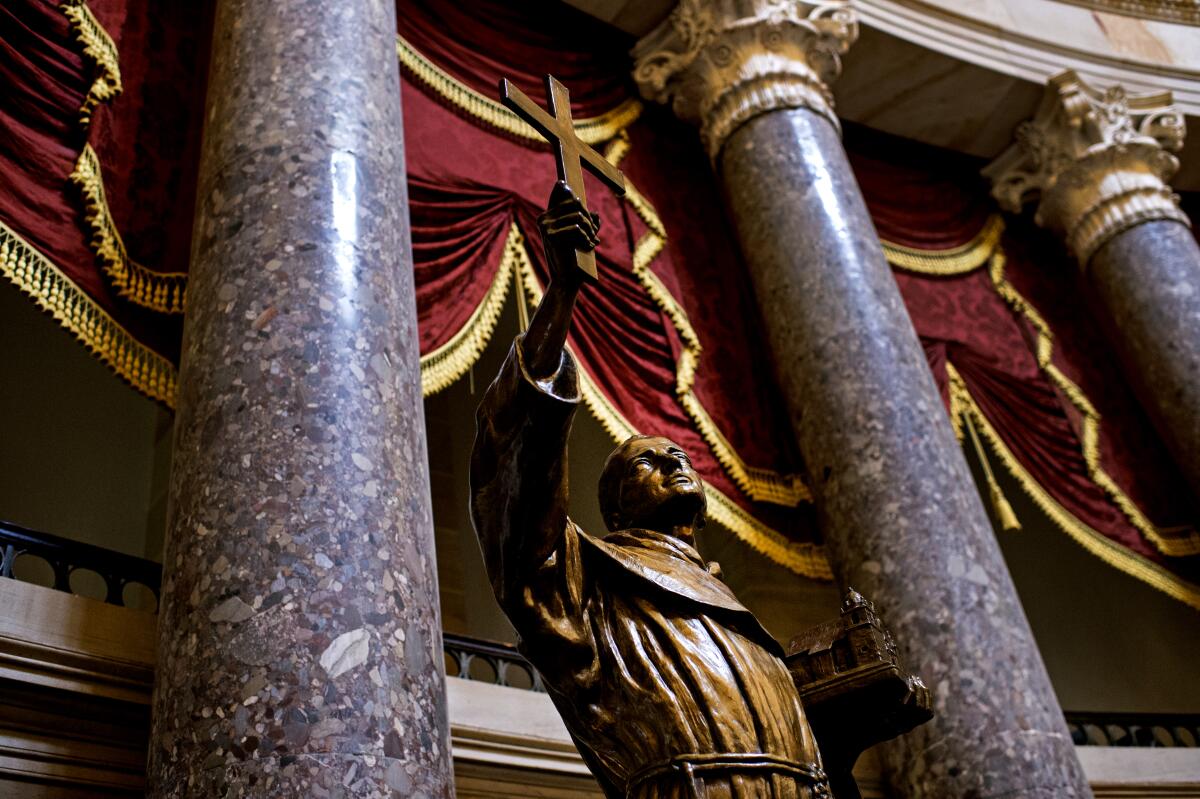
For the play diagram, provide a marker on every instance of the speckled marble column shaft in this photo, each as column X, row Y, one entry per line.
column 1147, row 279
column 902, row 518
column 299, row 636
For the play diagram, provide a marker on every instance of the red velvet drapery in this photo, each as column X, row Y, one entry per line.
column 99, row 127
column 642, row 336
column 1019, row 333
column 670, row 341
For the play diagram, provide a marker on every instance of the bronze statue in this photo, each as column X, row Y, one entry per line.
column 669, row 686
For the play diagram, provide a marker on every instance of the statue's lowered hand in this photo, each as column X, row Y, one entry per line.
column 567, row 227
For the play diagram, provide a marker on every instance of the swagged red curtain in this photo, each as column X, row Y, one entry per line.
column 476, row 189
column 1022, row 363
column 669, row 342
column 90, row 225
column 1037, row 391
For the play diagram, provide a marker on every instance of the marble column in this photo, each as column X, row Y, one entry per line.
column 1098, row 162
column 299, row 635
column 902, row 519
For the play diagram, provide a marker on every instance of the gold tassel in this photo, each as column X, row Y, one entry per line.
column 1000, row 504
column 522, row 308
column 1008, row 517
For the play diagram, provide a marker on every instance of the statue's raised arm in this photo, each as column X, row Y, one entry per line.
column 518, row 466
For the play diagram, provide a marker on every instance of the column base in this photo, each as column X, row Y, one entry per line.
column 307, row 775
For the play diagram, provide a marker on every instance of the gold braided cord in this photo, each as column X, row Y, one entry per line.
column 807, row 560
column 956, row 410
column 99, row 47
column 1090, row 434
column 954, row 261
column 1000, row 504
column 55, row 293
column 451, row 361
column 985, row 249
column 1090, row 539
column 592, row 130
column 159, row 291
column 762, row 485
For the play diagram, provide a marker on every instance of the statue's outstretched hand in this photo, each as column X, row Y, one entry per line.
column 566, row 228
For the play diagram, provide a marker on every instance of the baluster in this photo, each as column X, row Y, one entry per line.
column 6, row 561
column 62, row 575
column 115, row 589
column 501, row 668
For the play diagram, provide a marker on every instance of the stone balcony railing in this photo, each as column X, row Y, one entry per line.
column 70, row 662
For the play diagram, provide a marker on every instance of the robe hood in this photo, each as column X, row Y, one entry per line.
column 670, row 566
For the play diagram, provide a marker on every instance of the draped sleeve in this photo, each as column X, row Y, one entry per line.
column 519, row 508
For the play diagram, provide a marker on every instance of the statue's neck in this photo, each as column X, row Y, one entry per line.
column 683, row 533
column 657, row 539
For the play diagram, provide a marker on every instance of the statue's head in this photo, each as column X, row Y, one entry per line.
column 649, row 482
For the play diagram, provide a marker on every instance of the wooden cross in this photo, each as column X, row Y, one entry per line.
column 570, row 153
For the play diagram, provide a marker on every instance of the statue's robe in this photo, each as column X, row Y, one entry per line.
column 649, row 658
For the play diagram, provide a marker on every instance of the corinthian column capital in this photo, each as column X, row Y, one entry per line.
column 1097, row 161
column 722, row 62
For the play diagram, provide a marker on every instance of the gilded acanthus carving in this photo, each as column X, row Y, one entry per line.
column 721, row 62
column 1097, row 161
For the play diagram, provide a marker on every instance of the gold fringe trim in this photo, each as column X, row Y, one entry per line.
column 1090, row 435
column 592, row 130
column 34, row 274
column 762, row 485
column 759, row 484
column 158, row 291
column 807, row 560
column 955, row 261
column 451, row 361
column 1107, row 550
column 99, row 47
column 985, row 248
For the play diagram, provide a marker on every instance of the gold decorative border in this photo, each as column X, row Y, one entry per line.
column 164, row 292
column 1090, row 434
column 99, row 47
column 964, row 407
column 954, row 261
column 158, row 291
column 986, row 249
column 451, row 361
column 762, row 485
column 807, row 560
column 55, row 293
column 1000, row 504
column 592, row 130
column 758, row 484
column 1183, row 12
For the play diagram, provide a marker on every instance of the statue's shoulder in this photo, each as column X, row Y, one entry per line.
column 633, row 563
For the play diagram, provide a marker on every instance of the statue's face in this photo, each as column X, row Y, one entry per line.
column 659, row 488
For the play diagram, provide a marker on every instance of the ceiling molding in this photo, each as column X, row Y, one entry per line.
column 1181, row 12
column 1020, row 55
